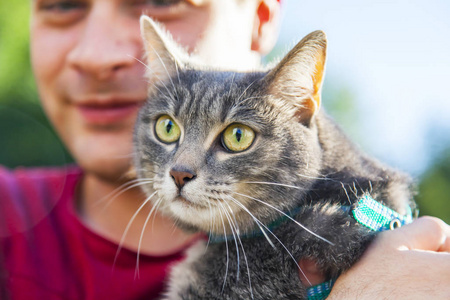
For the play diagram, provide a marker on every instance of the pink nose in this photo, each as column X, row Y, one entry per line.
column 181, row 177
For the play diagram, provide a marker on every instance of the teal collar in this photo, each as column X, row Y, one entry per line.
column 366, row 211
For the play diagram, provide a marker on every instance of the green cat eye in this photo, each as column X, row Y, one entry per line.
column 167, row 130
column 238, row 137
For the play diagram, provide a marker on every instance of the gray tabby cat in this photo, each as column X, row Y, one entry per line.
column 248, row 159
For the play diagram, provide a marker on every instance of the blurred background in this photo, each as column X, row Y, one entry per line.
column 387, row 84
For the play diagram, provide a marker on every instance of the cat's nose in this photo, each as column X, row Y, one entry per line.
column 181, row 176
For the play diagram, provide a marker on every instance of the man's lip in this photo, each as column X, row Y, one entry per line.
column 108, row 112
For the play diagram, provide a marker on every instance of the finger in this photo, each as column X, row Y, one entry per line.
column 425, row 233
column 309, row 272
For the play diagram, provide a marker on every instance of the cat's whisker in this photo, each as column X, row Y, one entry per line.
column 154, row 86
column 247, row 99
column 289, row 253
column 234, row 217
column 120, row 190
column 157, row 204
column 260, row 225
column 345, row 190
column 232, row 225
column 277, row 184
column 289, row 217
column 355, row 190
column 371, row 187
column 136, row 273
column 228, row 255
column 178, row 73
column 239, row 98
column 210, row 225
column 127, row 228
column 254, row 219
column 164, row 66
column 147, row 67
column 235, row 241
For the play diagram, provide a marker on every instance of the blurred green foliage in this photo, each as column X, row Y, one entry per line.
column 434, row 188
column 15, row 76
column 27, row 139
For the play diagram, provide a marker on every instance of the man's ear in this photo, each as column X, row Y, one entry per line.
column 265, row 25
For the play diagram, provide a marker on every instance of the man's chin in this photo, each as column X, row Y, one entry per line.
column 106, row 155
column 115, row 172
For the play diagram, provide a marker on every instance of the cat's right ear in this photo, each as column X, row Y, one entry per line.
column 164, row 56
column 295, row 83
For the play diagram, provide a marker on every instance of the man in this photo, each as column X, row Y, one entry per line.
column 61, row 235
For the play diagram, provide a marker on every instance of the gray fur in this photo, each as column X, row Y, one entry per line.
column 318, row 168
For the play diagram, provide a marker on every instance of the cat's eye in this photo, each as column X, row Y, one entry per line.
column 167, row 130
column 238, row 137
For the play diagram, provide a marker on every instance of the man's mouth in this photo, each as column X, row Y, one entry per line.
column 109, row 112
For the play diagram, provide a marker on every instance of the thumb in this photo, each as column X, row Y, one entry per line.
column 425, row 233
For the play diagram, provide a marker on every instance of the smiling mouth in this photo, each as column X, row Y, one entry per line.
column 108, row 113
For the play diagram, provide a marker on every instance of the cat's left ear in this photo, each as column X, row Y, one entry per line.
column 164, row 56
column 296, row 82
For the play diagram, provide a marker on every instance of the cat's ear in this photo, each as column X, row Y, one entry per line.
column 296, row 81
column 164, row 56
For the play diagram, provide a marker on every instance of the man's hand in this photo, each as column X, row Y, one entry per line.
column 412, row 262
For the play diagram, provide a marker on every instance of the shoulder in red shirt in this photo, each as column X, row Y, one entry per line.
column 49, row 254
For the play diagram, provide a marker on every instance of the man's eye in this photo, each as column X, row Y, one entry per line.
column 62, row 6
column 61, row 12
column 157, row 3
column 161, row 10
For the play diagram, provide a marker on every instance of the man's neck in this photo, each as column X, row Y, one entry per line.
column 110, row 210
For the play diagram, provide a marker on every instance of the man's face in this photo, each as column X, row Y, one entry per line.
column 85, row 55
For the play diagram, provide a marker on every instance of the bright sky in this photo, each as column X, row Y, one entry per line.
column 395, row 56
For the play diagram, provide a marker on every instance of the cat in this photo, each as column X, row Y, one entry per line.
column 249, row 159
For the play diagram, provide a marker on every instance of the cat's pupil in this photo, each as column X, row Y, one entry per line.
column 238, row 134
column 169, row 126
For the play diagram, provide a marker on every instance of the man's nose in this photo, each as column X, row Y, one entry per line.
column 104, row 48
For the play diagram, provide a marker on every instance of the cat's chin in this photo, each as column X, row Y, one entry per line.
column 183, row 201
column 192, row 217
column 189, row 212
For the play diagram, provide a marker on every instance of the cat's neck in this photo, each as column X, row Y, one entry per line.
column 338, row 151
column 350, row 173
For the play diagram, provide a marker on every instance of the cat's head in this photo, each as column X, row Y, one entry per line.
column 220, row 147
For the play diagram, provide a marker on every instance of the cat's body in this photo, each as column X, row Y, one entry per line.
column 289, row 159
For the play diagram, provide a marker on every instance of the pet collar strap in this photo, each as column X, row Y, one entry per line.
column 373, row 215
column 320, row 291
column 378, row 217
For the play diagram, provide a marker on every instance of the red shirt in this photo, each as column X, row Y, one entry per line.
column 49, row 254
